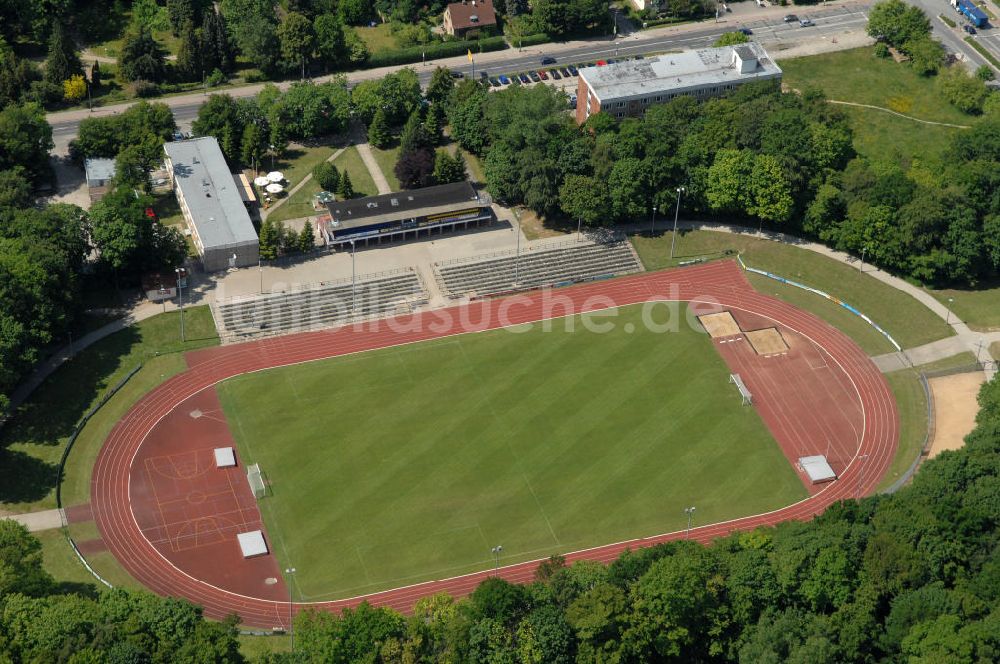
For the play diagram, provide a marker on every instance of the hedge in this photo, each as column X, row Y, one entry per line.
column 531, row 40
column 405, row 56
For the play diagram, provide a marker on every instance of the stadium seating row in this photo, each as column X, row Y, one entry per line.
column 541, row 267
column 320, row 306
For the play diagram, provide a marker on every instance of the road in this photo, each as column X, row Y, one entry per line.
column 767, row 25
column 954, row 38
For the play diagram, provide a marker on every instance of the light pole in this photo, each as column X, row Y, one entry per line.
column 289, row 571
column 260, row 269
column 690, row 512
column 677, row 211
column 354, row 292
column 579, row 224
column 864, row 250
column 180, row 272
column 979, row 349
column 496, row 557
column 652, row 223
column 861, row 475
column 948, row 317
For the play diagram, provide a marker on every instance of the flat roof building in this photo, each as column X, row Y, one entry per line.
column 627, row 89
column 406, row 214
column 99, row 172
column 212, row 204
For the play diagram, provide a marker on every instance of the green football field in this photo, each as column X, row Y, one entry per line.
column 407, row 464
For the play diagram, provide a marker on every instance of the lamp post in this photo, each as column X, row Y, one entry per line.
column 690, row 512
column 652, row 223
column 180, row 272
column 496, row 558
column 864, row 250
column 677, row 211
column 260, row 269
column 861, row 475
column 517, row 254
column 579, row 224
column 289, row 571
column 354, row 291
column 948, row 317
column 979, row 349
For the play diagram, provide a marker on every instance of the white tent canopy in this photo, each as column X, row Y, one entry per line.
column 261, row 181
column 275, row 176
column 274, row 188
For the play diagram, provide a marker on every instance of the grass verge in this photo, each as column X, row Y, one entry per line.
column 971, row 41
column 963, row 359
column 908, row 321
column 441, row 464
column 979, row 309
column 386, row 160
column 32, row 442
column 912, row 404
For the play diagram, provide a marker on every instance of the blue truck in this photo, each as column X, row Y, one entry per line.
column 975, row 15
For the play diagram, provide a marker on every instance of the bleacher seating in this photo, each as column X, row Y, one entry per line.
column 537, row 268
column 325, row 305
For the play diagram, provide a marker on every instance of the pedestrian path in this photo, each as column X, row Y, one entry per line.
column 291, row 192
column 378, row 176
column 36, row 521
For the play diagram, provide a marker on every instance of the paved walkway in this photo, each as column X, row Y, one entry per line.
column 291, row 192
column 378, row 176
column 36, row 521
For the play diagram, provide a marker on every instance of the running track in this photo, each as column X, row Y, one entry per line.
column 722, row 282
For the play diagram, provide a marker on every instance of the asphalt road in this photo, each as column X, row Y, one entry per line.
column 768, row 31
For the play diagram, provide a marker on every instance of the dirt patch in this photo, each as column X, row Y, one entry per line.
column 767, row 341
column 955, row 409
column 534, row 227
column 720, row 325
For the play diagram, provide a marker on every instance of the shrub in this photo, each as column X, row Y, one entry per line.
column 531, row 40
column 431, row 51
column 984, row 73
column 254, row 76
column 881, row 50
column 327, row 176
column 143, row 89
column 215, row 79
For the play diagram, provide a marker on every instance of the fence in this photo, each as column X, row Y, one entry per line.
column 817, row 291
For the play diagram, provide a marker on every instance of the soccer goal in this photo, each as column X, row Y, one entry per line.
column 256, row 479
column 744, row 392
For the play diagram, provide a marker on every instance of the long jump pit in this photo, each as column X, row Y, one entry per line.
column 955, row 408
column 171, row 516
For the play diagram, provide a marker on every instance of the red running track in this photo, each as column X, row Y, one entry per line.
column 722, row 283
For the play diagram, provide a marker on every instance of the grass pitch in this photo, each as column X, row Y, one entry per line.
column 408, row 464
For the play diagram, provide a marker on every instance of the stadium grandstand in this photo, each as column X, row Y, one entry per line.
column 543, row 266
column 320, row 305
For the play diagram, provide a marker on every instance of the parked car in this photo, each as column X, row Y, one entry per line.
column 524, row 78
column 611, row 62
column 573, row 71
column 534, row 76
column 968, row 28
column 639, row 57
column 457, row 74
column 601, row 63
column 805, row 23
column 554, row 73
column 791, row 18
column 746, row 31
column 495, row 82
column 504, row 80
column 565, row 72
column 542, row 75
column 514, row 80
column 483, row 75
column 572, row 101
column 178, row 136
column 548, row 60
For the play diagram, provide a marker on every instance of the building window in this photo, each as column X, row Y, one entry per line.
column 621, row 115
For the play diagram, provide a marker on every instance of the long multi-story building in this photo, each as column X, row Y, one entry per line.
column 627, row 89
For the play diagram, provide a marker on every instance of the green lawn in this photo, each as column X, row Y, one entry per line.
column 979, row 309
column 361, row 179
column 908, row 321
column 858, row 76
column 912, row 404
column 32, row 442
column 386, row 160
column 402, row 465
column 963, row 359
column 299, row 204
column 378, row 38
column 299, row 161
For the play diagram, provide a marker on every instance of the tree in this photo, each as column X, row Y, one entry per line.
column 345, row 189
column 984, row 73
column 25, row 140
column 62, row 62
column 415, row 168
column 327, row 176
column 295, row 34
column 21, row 568
column 467, row 116
column 219, row 117
column 728, row 184
column 253, row 146
column 331, row 43
column 378, row 130
column 926, row 55
column 414, row 136
column 627, row 190
column 307, row 240
column 585, row 198
column 15, row 188
column 180, row 12
column 356, row 12
column 897, row 22
column 74, row 88
column 964, row 92
column 434, row 124
column 731, row 39
column 141, row 58
column 217, row 52
column 449, row 169
column 441, row 85
column 95, row 75
column 397, row 93
column 771, row 190
column 269, row 240
column 190, row 59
